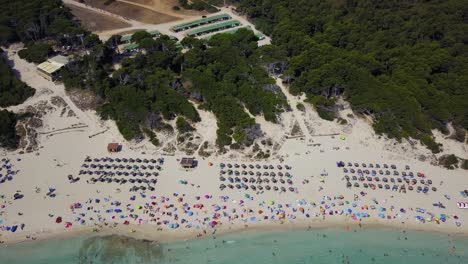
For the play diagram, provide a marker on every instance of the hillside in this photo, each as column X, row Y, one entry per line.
column 403, row 63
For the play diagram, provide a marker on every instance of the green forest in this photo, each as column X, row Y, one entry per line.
column 223, row 75
column 12, row 90
column 8, row 136
column 30, row 22
column 404, row 63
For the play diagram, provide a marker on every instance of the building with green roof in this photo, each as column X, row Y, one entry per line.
column 201, row 22
column 213, row 28
column 130, row 47
column 126, row 39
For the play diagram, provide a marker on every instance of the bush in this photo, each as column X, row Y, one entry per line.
column 183, row 126
column 300, row 107
column 152, row 136
column 37, row 52
column 464, row 164
column 8, row 136
column 176, row 8
column 12, row 90
column 431, row 144
column 449, row 161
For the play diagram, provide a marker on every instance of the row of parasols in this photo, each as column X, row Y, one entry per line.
column 384, row 179
column 118, row 173
column 252, row 187
column 381, row 172
column 258, row 173
column 395, row 187
column 123, row 180
column 252, row 166
column 120, row 166
column 125, row 160
column 370, row 165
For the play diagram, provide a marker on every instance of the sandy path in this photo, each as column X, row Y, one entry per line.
column 292, row 101
column 134, row 23
column 174, row 14
column 46, row 89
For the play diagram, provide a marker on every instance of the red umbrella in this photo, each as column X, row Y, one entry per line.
column 58, row 220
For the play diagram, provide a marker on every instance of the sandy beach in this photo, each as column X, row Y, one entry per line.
column 52, row 193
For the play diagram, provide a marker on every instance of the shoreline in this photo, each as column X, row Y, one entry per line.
column 148, row 232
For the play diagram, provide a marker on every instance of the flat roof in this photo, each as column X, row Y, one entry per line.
column 129, row 37
column 201, row 21
column 49, row 67
column 213, row 27
column 126, row 38
column 53, row 64
column 130, row 46
column 59, row 59
column 154, row 32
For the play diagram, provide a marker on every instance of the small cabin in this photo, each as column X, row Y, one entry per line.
column 113, row 147
column 188, row 163
column 50, row 69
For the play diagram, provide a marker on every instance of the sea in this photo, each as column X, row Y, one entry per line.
column 298, row 246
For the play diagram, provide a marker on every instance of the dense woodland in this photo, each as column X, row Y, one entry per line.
column 12, row 90
column 8, row 136
column 33, row 22
column 405, row 63
column 222, row 75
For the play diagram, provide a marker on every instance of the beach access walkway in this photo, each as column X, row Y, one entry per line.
column 298, row 115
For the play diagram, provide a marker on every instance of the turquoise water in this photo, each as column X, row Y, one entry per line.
column 315, row 246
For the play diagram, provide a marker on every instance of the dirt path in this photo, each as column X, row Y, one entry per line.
column 298, row 115
column 167, row 12
column 45, row 89
column 132, row 22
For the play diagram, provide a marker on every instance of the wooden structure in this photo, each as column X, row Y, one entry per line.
column 187, row 163
column 113, row 147
column 50, row 69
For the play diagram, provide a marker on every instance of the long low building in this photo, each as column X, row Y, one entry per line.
column 200, row 22
column 128, row 38
column 213, row 28
column 50, row 69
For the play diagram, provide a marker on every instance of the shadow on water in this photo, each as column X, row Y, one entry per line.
column 119, row 249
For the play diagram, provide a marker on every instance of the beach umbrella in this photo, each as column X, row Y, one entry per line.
column 58, row 220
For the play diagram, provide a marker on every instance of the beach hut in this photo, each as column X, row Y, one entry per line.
column 113, row 147
column 188, row 163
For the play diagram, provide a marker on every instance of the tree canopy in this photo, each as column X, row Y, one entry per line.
column 223, row 75
column 12, row 90
column 403, row 62
column 8, row 137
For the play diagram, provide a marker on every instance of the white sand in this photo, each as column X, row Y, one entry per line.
column 62, row 154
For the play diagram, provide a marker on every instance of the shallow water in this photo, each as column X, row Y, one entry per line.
column 316, row 246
